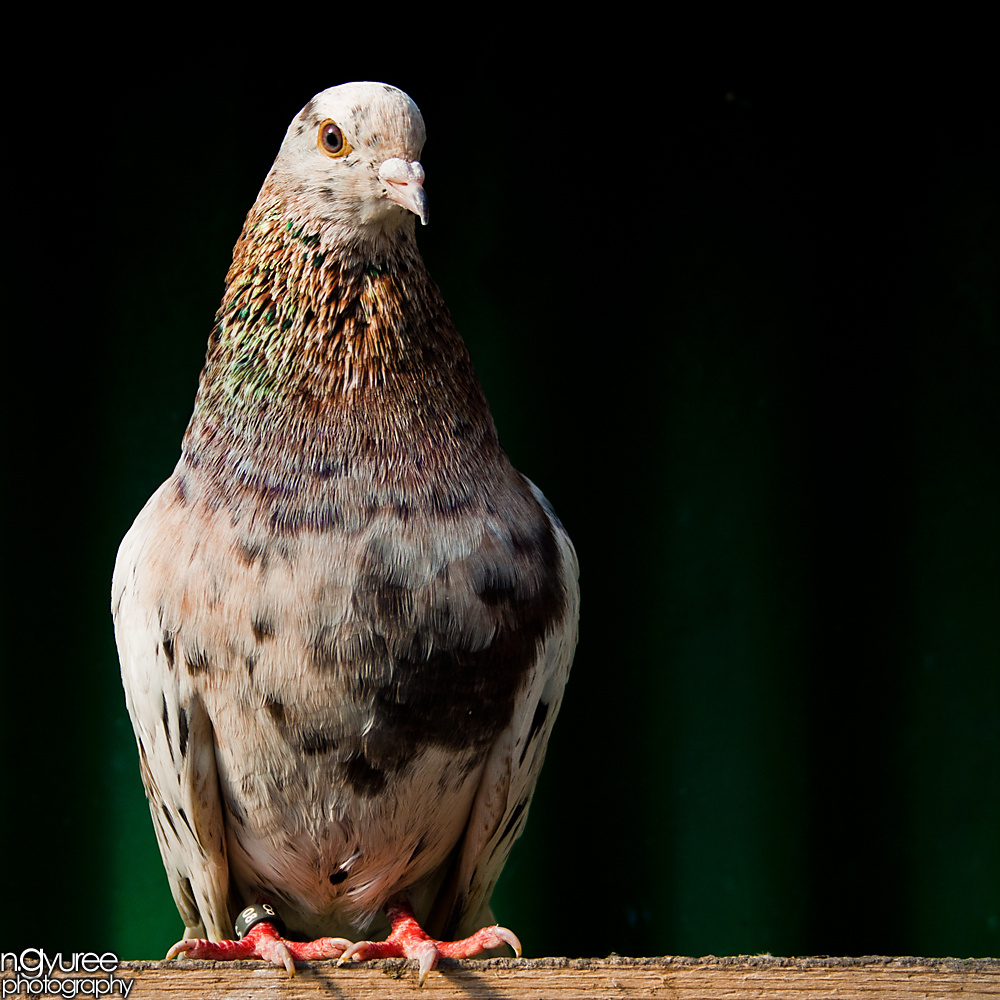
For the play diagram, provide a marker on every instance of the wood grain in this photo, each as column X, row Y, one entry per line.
column 558, row 978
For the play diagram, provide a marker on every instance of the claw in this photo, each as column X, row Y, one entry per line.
column 508, row 937
column 352, row 950
column 276, row 952
column 181, row 947
column 427, row 958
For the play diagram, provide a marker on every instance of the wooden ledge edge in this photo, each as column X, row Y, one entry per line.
column 760, row 963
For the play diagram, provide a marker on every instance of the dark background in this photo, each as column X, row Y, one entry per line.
column 736, row 314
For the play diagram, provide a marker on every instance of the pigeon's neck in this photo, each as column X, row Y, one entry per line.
column 330, row 364
column 303, row 316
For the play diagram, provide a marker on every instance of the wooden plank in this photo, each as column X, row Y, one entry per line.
column 559, row 978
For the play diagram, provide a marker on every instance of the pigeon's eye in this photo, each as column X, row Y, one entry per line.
column 331, row 139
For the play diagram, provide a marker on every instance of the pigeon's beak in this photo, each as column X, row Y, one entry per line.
column 404, row 180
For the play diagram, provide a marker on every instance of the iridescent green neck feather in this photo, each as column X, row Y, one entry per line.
column 334, row 365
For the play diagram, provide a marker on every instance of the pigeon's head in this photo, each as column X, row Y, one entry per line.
column 351, row 158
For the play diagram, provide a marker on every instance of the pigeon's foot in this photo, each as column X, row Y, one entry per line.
column 409, row 940
column 262, row 941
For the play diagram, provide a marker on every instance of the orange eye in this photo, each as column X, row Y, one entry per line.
column 331, row 139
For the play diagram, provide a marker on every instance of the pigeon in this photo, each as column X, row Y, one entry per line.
column 345, row 622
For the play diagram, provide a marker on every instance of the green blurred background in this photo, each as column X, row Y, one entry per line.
column 736, row 317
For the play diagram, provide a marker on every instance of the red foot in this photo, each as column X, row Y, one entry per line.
column 409, row 940
column 262, row 941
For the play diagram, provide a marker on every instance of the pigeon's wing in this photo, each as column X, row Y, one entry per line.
column 172, row 728
column 500, row 807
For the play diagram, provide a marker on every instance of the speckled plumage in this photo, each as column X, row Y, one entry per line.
column 345, row 621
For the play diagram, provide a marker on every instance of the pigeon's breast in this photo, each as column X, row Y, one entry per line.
column 356, row 675
column 406, row 633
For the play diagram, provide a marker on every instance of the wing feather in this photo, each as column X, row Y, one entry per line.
column 501, row 803
column 175, row 739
